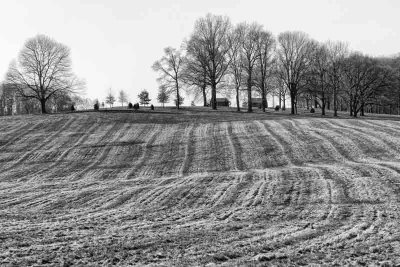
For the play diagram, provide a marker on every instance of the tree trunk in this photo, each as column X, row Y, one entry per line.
column 328, row 103
column 263, row 95
column 249, row 103
column 351, row 105
column 292, row 100
column 214, row 95
column 177, row 97
column 335, row 104
column 204, row 96
column 398, row 105
column 43, row 105
column 237, row 99
column 280, row 99
column 284, row 102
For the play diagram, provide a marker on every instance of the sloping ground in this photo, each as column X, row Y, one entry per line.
column 92, row 189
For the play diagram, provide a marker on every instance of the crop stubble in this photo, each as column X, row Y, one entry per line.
column 101, row 191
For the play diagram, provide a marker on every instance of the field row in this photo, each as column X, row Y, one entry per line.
column 78, row 148
column 86, row 189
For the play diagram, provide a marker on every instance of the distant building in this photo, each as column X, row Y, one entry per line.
column 223, row 102
column 256, row 102
column 12, row 104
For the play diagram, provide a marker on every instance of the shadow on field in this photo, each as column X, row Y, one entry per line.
column 170, row 115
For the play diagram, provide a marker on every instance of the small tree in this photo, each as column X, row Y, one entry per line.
column 180, row 101
column 170, row 68
column 96, row 105
column 110, row 99
column 122, row 97
column 144, row 97
column 163, row 96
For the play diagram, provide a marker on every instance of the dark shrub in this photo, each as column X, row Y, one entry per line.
column 312, row 110
column 136, row 106
column 96, row 106
column 130, row 106
column 72, row 107
column 283, row 108
column 277, row 107
column 152, row 107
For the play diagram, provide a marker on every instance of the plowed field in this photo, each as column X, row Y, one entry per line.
column 121, row 188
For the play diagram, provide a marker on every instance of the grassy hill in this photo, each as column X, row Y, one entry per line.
column 198, row 187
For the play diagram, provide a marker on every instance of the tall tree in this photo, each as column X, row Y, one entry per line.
column 170, row 67
column 294, row 62
column 43, row 69
column 163, row 95
column 251, row 56
column 265, row 65
column 122, row 97
column 235, row 54
column 337, row 52
column 211, row 37
column 318, row 73
column 195, row 70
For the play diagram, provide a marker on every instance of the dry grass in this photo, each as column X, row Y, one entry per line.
column 197, row 188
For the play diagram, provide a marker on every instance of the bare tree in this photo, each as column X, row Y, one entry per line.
column 364, row 76
column 110, row 98
column 122, row 97
column 170, row 67
column 294, row 61
column 337, row 52
column 163, row 95
column 265, row 65
column 43, row 69
column 144, row 97
column 250, row 56
column 282, row 89
column 195, row 70
column 235, row 54
column 211, row 37
column 318, row 74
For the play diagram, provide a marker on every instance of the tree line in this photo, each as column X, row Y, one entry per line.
column 221, row 58
column 246, row 58
column 41, row 78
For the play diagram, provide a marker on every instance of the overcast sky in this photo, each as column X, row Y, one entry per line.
column 114, row 42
